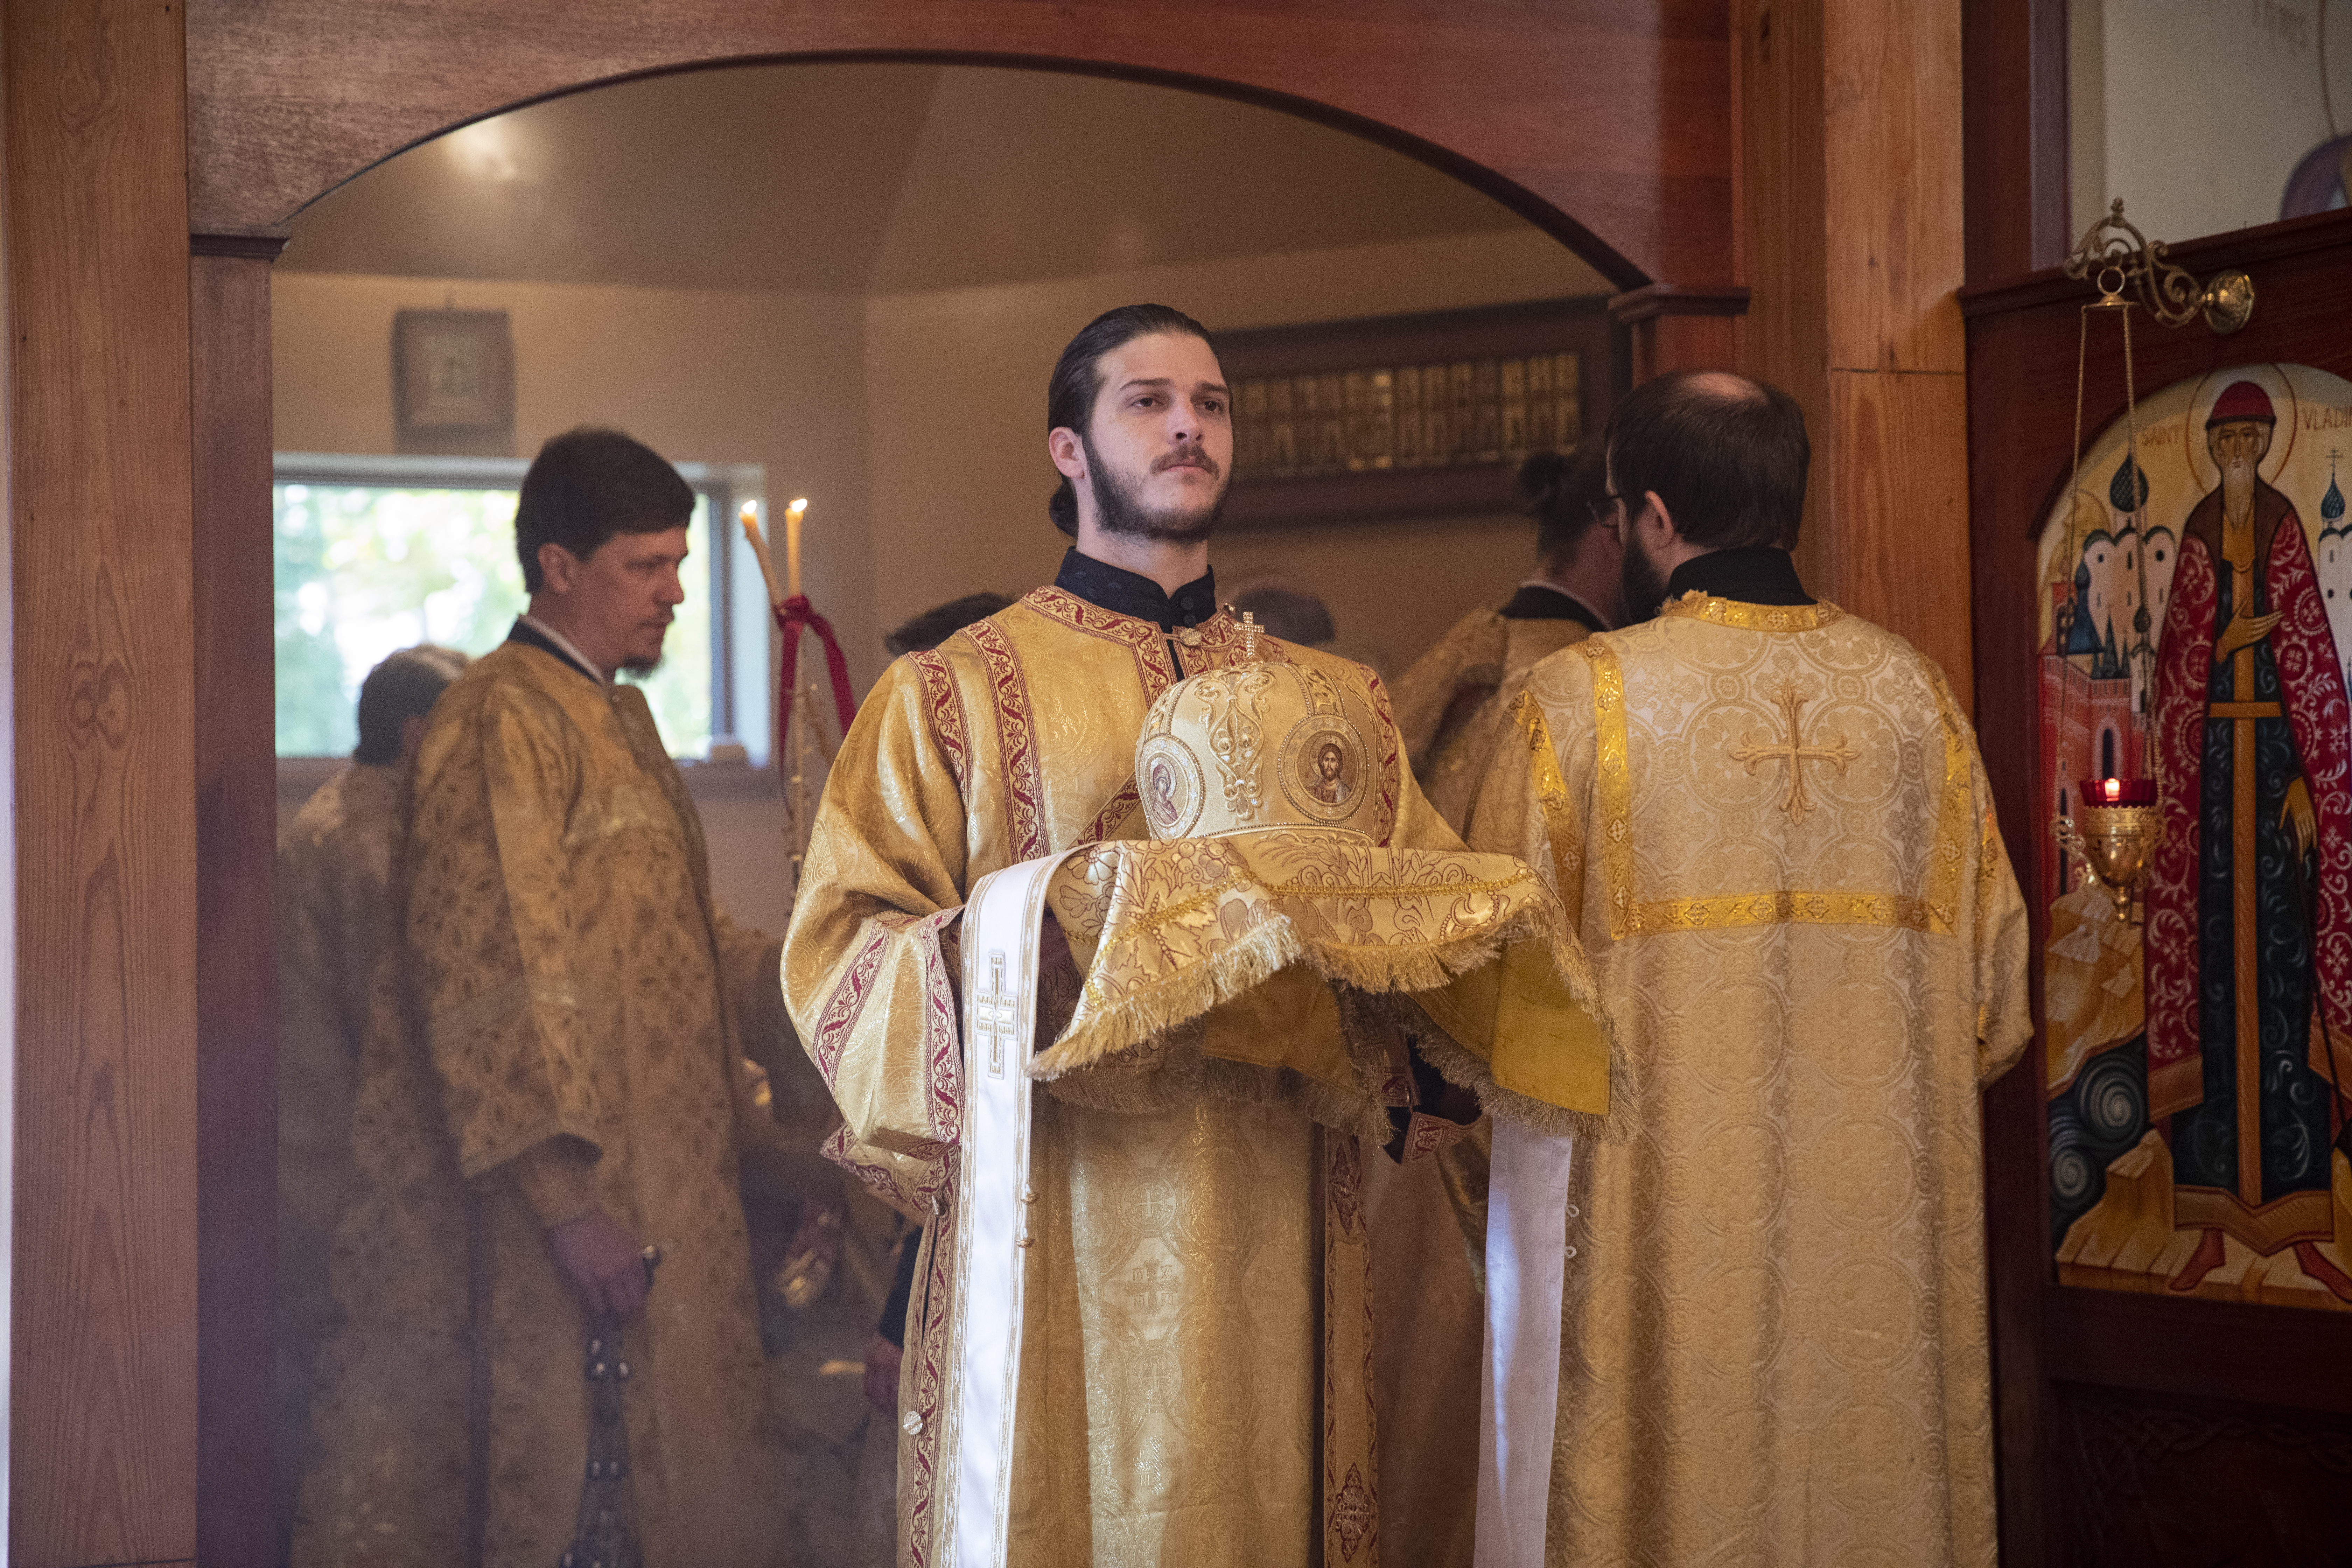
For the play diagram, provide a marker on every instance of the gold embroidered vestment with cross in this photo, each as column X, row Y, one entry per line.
column 1794, row 752
column 1771, row 828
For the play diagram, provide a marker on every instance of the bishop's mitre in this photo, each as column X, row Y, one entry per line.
column 1259, row 745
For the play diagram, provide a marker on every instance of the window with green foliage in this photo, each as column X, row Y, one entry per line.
column 377, row 561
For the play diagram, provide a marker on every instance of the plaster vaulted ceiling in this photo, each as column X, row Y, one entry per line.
column 868, row 177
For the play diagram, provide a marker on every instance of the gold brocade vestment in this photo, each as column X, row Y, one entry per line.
column 1773, row 829
column 555, row 1033
column 1450, row 704
column 1173, row 1389
column 1450, row 708
column 333, row 875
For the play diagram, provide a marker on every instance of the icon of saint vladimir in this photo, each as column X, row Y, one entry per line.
column 2250, row 897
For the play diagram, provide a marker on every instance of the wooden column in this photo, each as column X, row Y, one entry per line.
column 2017, row 221
column 1850, row 114
column 2016, row 121
column 237, row 929
column 102, row 1452
column 1681, row 326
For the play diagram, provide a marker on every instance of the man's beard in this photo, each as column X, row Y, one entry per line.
column 642, row 666
column 1644, row 584
column 1118, row 510
column 2238, row 489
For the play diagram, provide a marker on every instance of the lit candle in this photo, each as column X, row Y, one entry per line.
column 750, row 517
column 793, row 515
column 2118, row 792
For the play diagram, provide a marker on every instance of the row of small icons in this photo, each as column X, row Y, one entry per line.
column 1462, row 412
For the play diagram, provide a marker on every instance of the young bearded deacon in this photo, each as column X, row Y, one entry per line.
column 1768, row 820
column 1176, row 1401
column 547, row 1089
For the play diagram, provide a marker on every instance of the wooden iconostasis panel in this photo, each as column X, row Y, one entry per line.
column 2171, row 1227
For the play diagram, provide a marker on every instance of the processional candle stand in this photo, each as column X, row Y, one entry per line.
column 814, row 1252
column 795, row 616
column 2117, row 822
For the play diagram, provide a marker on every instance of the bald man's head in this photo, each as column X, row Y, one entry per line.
column 1725, row 454
column 1723, row 384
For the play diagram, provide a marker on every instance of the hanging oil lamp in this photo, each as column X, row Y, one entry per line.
column 2120, row 826
column 2117, row 823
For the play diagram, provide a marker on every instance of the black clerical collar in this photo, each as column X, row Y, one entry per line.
column 1540, row 600
column 1751, row 573
column 531, row 637
column 1124, row 593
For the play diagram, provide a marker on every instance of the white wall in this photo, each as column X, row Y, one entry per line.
column 700, row 374
column 2196, row 111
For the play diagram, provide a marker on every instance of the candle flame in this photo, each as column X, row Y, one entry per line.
column 750, row 517
column 2115, row 788
column 798, row 506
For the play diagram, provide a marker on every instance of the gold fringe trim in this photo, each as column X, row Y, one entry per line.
column 1466, row 1069
column 1167, row 1003
column 1274, row 946
column 1177, row 1072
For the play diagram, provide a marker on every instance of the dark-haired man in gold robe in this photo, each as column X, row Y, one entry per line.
column 1450, row 703
column 1200, row 1220
column 1450, row 708
column 1769, row 821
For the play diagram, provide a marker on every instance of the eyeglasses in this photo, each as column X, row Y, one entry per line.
column 1609, row 511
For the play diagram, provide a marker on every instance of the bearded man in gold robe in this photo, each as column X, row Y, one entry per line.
column 1178, row 1400
column 334, row 872
column 549, row 1091
column 1768, row 820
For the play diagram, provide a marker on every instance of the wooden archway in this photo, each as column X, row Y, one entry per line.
column 152, row 156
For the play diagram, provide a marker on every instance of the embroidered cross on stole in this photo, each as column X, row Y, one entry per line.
column 1002, row 924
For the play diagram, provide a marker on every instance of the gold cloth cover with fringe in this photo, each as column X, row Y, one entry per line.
column 1236, row 930
column 1200, row 1199
column 1773, row 832
column 557, row 1034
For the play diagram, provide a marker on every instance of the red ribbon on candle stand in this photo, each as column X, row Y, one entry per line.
column 791, row 617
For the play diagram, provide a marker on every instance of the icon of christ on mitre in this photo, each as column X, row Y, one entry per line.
column 1109, row 1329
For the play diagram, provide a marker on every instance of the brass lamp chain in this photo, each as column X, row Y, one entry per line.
column 2074, row 548
column 2110, row 300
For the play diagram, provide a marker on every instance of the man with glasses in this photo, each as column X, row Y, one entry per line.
column 1769, row 821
